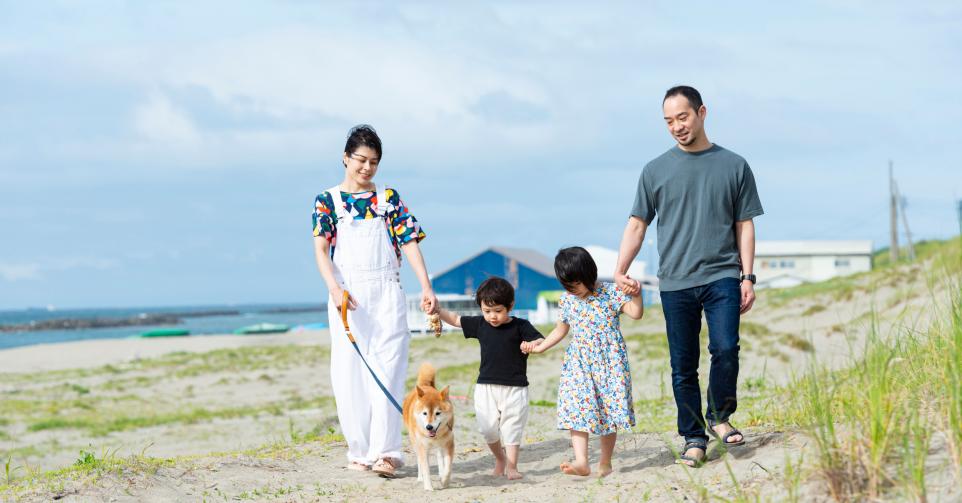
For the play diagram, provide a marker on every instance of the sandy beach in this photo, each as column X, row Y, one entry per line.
column 252, row 417
column 100, row 352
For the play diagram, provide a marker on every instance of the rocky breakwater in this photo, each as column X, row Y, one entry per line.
column 139, row 320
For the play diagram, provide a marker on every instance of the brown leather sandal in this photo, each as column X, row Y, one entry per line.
column 385, row 468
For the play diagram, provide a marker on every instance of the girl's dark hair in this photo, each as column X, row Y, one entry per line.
column 495, row 291
column 575, row 265
column 362, row 135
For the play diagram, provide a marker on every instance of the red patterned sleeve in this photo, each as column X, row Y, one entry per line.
column 404, row 227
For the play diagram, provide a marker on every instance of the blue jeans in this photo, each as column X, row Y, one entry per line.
column 721, row 302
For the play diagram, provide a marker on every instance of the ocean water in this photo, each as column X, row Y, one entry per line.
column 221, row 324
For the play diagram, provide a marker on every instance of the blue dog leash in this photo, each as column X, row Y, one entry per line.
column 347, row 330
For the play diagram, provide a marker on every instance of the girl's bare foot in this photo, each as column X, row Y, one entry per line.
column 498, row 467
column 512, row 473
column 604, row 469
column 576, row 469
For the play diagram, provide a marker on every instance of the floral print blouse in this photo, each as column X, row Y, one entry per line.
column 403, row 227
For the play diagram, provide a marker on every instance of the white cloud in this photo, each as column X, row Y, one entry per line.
column 7, row 48
column 340, row 74
column 421, row 75
column 421, row 98
column 36, row 270
column 159, row 121
column 316, row 81
column 17, row 272
column 97, row 263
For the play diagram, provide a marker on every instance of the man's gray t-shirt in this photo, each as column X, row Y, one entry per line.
column 698, row 197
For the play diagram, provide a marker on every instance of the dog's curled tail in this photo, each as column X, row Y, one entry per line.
column 426, row 375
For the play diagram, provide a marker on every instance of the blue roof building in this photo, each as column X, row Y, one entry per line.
column 529, row 271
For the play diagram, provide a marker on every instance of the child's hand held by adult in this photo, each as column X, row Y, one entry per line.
column 429, row 302
column 536, row 347
column 627, row 284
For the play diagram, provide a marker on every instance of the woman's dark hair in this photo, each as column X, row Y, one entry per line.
column 495, row 291
column 575, row 265
column 690, row 93
column 362, row 135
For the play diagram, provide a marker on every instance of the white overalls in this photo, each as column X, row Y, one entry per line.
column 367, row 266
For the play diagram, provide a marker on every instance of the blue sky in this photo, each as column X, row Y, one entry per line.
column 165, row 153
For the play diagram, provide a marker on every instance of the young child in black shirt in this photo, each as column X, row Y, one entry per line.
column 501, row 395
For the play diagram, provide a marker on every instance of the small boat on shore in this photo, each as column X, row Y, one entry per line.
column 262, row 328
column 310, row 326
column 166, row 332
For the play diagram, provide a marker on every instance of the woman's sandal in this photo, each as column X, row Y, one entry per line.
column 692, row 461
column 385, row 468
column 724, row 438
column 358, row 467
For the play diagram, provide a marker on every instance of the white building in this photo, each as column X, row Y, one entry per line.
column 780, row 264
column 606, row 259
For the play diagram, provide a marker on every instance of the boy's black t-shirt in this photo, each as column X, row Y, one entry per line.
column 502, row 361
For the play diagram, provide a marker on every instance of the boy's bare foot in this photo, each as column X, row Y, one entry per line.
column 499, row 464
column 604, row 470
column 575, row 469
column 512, row 473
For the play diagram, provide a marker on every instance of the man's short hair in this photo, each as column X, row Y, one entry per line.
column 690, row 93
column 495, row 291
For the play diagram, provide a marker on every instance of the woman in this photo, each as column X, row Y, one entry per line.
column 360, row 232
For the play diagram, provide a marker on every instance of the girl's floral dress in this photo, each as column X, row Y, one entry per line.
column 594, row 393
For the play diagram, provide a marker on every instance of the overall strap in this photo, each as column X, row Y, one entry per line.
column 339, row 209
column 382, row 203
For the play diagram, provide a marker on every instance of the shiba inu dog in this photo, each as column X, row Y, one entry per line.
column 429, row 418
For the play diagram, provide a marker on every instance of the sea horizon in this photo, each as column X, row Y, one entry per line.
column 206, row 319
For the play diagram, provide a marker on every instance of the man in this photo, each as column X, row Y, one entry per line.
column 705, row 199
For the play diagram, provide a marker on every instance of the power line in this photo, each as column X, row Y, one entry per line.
column 871, row 216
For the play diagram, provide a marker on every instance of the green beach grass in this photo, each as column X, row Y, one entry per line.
column 888, row 425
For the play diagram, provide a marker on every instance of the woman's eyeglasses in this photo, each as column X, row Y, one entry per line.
column 360, row 158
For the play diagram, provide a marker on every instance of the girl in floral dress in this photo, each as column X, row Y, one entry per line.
column 594, row 393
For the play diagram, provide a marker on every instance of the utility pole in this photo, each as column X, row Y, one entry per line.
column 960, row 219
column 905, row 222
column 893, row 219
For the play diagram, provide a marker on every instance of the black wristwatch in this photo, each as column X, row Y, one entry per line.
column 749, row 277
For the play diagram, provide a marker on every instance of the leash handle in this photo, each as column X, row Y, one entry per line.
column 347, row 328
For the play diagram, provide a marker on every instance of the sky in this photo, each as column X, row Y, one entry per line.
column 169, row 153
